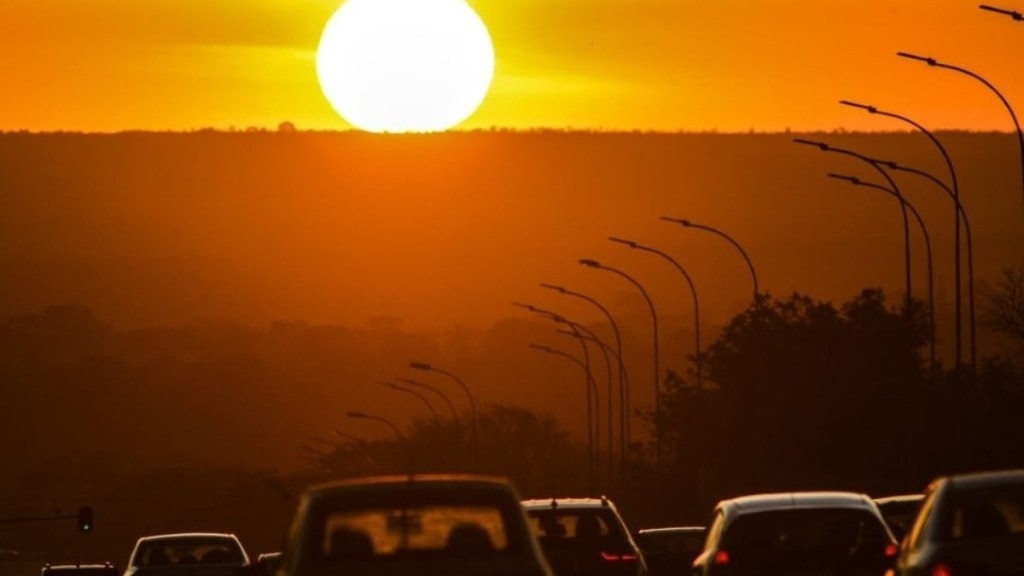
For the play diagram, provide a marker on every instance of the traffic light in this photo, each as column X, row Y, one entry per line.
column 85, row 520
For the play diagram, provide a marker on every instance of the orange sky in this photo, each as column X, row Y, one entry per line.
column 729, row 65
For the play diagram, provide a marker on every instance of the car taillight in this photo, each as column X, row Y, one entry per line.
column 941, row 570
column 721, row 558
column 891, row 550
column 613, row 557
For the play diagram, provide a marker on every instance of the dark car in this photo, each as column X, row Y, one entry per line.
column 458, row 525
column 670, row 550
column 969, row 524
column 188, row 553
column 804, row 533
column 107, row 569
column 899, row 512
column 584, row 537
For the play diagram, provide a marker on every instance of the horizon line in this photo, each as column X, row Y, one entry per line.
column 261, row 130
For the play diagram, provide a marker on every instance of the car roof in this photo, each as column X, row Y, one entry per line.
column 796, row 500
column 185, row 535
column 571, row 503
column 987, row 479
column 672, row 530
column 460, row 481
column 901, row 498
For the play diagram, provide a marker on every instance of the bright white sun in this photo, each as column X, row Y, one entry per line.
column 405, row 65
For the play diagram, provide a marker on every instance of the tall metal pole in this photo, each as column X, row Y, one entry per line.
column 927, row 244
column 956, row 218
column 472, row 401
column 589, row 263
column 590, row 415
column 623, row 376
column 693, row 292
column 451, row 407
column 970, row 248
column 421, row 397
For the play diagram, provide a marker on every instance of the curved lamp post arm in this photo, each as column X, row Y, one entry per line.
column 730, row 240
column 420, row 397
column 1006, row 103
column 472, row 401
column 1017, row 16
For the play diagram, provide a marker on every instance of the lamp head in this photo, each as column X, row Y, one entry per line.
column 541, row 348
column 925, row 59
column 356, row 415
column 820, row 145
column 420, row 366
column 554, row 287
column 590, row 263
column 870, row 109
column 629, row 243
column 851, row 179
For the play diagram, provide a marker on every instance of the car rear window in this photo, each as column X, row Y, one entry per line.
column 183, row 551
column 567, row 523
column 384, row 532
column 824, row 534
column 996, row 512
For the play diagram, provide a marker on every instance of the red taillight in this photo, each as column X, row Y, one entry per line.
column 721, row 558
column 891, row 550
column 613, row 557
column 941, row 570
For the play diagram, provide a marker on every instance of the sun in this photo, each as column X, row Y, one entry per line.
column 405, row 65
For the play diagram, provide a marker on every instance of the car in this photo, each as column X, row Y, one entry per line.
column 465, row 524
column 266, row 563
column 584, row 537
column 899, row 511
column 107, row 569
column 797, row 533
column 968, row 524
column 670, row 550
column 181, row 554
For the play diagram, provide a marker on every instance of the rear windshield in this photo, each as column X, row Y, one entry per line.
column 671, row 542
column 822, row 534
column 414, row 531
column 598, row 524
column 183, row 551
column 979, row 514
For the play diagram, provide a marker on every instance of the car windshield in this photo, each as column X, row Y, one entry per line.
column 163, row 552
column 805, row 536
column 428, row 530
column 976, row 514
column 598, row 525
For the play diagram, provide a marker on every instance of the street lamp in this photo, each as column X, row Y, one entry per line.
column 1011, row 13
column 927, row 244
column 970, row 248
column 421, row 397
column 1013, row 116
column 398, row 432
column 693, row 291
column 590, row 414
column 623, row 372
column 956, row 210
column 892, row 183
column 589, row 263
column 426, row 367
column 580, row 332
column 451, row 407
column 728, row 238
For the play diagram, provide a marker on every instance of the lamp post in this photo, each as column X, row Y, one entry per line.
column 590, row 414
column 398, row 433
column 1017, row 16
column 451, row 407
column 589, row 263
column 956, row 213
column 421, row 397
column 623, row 374
column 1013, row 116
column 903, row 208
column 693, row 291
column 426, row 367
column 729, row 239
column 927, row 244
column 583, row 335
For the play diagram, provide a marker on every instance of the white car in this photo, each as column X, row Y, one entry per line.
column 812, row 533
column 208, row 554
